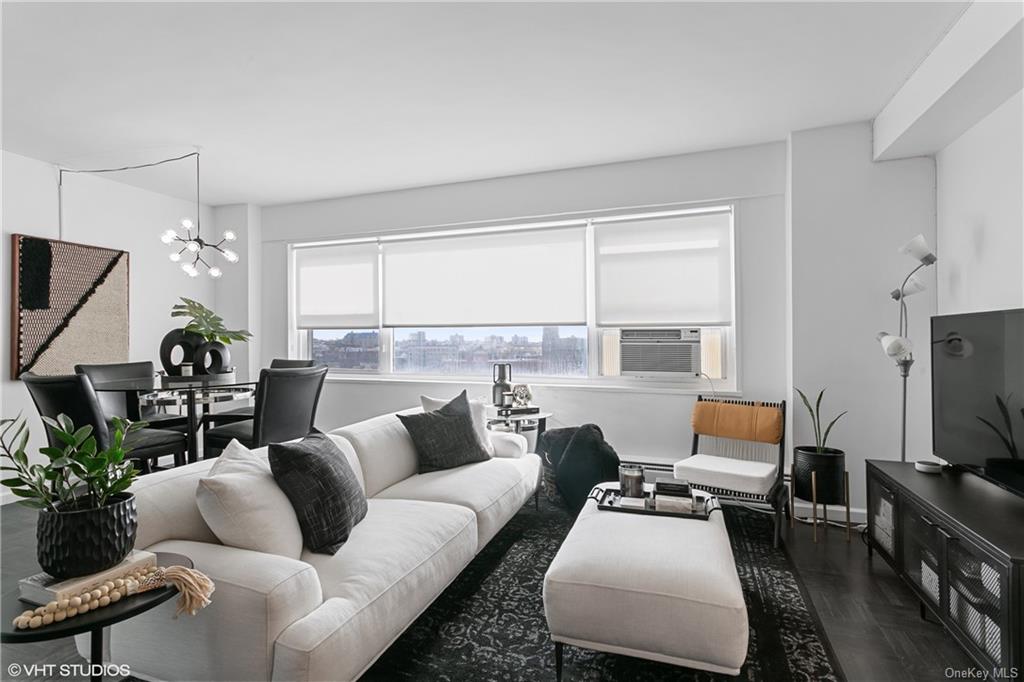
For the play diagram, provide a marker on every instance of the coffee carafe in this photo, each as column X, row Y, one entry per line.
column 502, row 374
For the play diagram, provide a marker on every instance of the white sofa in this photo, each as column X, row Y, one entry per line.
column 321, row 617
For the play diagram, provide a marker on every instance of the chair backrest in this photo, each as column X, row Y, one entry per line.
column 286, row 401
column 288, row 363
column 116, row 403
column 70, row 394
column 743, row 427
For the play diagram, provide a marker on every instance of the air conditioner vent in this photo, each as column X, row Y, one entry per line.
column 659, row 352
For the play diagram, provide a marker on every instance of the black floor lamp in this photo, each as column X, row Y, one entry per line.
column 898, row 346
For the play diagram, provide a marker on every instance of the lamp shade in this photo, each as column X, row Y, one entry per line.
column 895, row 346
column 913, row 286
column 918, row 249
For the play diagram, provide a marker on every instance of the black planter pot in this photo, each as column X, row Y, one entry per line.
column 189, row 342
column 74, row 543
column 216, row 353
column 828, row 465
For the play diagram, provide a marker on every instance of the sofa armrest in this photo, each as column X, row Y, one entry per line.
column 506, row 444
column 256, row 597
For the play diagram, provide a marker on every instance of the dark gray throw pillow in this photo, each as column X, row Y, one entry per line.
column 323, row 489
column 445, row 438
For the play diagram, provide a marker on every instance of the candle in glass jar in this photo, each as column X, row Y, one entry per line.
column 631, row 480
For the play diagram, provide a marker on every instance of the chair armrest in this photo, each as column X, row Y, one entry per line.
column 512, row 445
column 256, row 597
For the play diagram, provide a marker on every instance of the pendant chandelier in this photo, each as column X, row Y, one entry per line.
column 193, row 250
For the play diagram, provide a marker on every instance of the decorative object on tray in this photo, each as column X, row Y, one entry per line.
column 69, row 305
column 195, row 589
column 819, row 472
column 631, row 480
column 501, row 373
column 699, row 507
column 203, row 341
column 521, row 395
column 87, row 519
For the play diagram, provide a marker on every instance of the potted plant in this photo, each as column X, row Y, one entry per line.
column 87, row 517
column 827, row 463
column 204, row 340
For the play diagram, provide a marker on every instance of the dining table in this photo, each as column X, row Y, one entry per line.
column 163, row 391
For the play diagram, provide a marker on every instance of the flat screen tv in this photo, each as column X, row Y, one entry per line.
column 978, row 393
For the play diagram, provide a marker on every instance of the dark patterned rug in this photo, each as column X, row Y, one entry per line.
column 489, row 624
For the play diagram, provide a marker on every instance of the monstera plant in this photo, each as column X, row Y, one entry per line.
column 203, row 340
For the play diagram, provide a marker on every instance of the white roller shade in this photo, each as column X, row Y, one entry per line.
column 336, row 286
column 510, row 278
column 665, row 271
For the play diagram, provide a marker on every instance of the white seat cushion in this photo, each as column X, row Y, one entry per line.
column 396, row 562
column 494, row 490
column 741, row 475
column 396, row 540
column 658, row 588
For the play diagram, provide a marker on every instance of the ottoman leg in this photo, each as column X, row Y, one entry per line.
column 558, row 661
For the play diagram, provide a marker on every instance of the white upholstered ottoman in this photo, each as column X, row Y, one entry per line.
column 654, row 587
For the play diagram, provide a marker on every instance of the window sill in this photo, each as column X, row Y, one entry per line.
column 578, row 384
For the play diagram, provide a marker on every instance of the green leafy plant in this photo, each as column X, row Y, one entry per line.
column 820, row 438
column 78, row 475
column 207, row 323
column 1008, row 439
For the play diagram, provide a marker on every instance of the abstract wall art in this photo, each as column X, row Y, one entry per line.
column 69, row 305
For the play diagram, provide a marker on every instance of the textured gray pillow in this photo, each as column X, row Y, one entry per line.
column 445, row 438
column 323, row 490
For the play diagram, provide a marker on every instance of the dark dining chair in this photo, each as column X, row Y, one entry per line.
column 73, row 395
column 126, row 404
column 240, row 414
column 286, row 402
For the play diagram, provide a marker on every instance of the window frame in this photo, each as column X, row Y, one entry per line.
column 300, row 340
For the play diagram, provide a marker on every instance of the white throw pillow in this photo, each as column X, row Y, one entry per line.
column 244, row 507
column 476, row 413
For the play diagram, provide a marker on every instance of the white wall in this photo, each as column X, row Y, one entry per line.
column 106, row 213
column 643, row 424
column 237, row 295
column 980, row 179
column 847, row 217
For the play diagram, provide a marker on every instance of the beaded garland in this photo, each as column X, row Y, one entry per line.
column 195, row 591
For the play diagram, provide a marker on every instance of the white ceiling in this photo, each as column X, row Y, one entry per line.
column 292, row 102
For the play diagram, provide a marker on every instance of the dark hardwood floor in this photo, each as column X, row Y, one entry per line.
column 869, row 615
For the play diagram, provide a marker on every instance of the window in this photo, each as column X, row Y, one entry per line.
column 465, row 351
column 351, row 349
column 549, row 299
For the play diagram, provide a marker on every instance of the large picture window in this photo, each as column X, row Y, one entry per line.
column 549, row 300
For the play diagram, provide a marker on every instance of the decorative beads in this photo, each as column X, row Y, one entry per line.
column 104, row 595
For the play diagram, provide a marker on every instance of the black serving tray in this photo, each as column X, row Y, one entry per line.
column 608, row 500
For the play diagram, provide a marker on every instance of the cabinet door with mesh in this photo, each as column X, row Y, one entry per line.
column 882, row 516
column 976, row 588
column 922, row 551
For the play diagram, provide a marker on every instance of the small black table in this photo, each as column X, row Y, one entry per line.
column 93, row 621
column 205, row 389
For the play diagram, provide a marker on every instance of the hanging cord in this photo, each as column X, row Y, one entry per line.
column 60, row 184
column 714, row 393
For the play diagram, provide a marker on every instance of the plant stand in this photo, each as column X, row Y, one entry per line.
column 814, row 502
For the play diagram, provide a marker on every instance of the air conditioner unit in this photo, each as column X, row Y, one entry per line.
column 659, row 352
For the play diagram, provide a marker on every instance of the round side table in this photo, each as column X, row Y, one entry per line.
column 92, row 622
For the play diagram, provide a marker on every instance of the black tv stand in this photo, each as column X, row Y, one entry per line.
column 958, row 542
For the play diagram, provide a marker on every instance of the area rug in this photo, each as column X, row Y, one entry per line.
column 489, row 624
